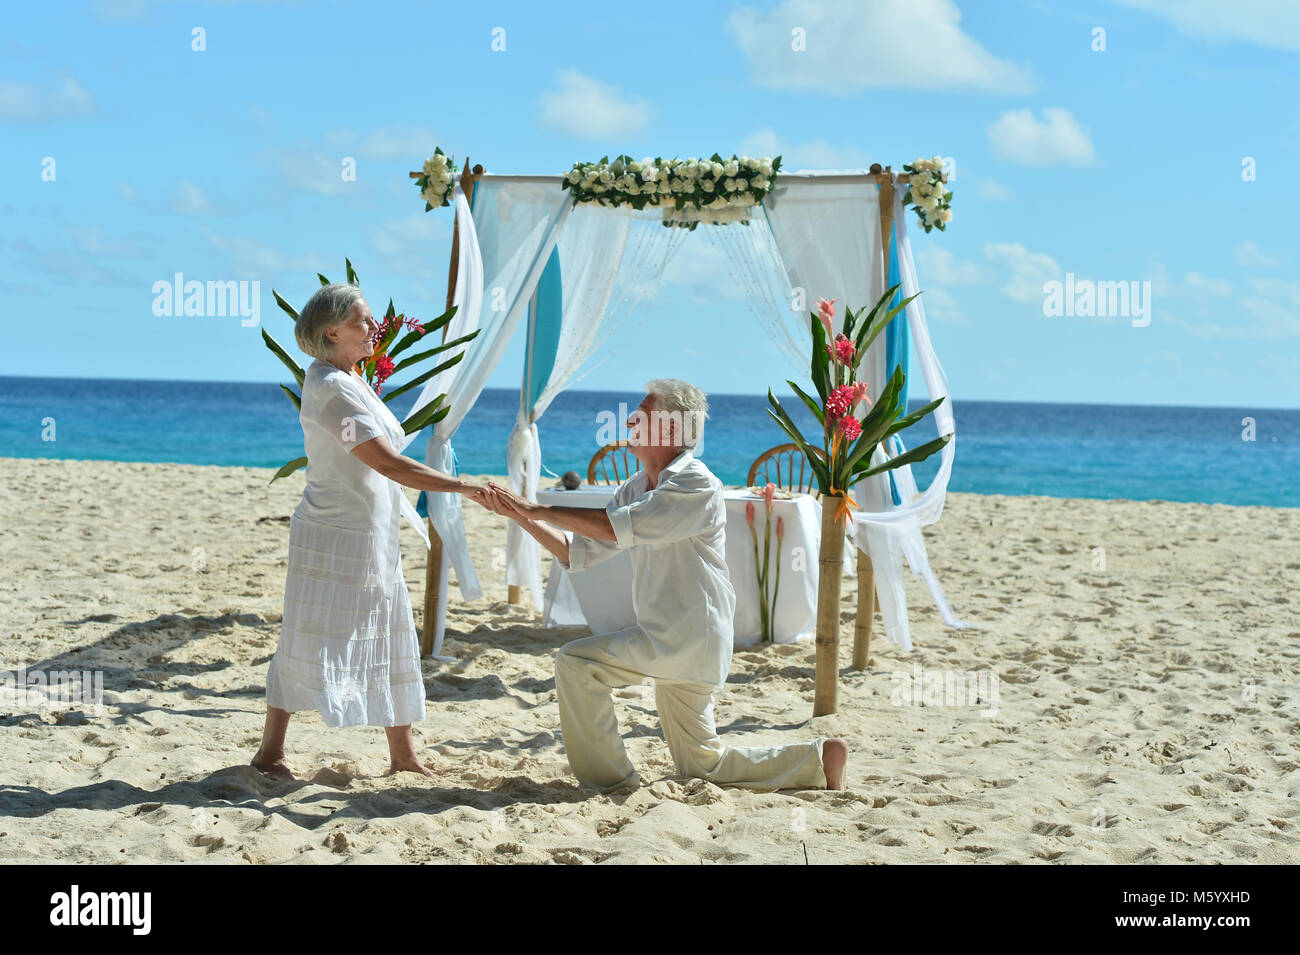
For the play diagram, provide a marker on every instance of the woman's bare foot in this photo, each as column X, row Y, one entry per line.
column 401, row 752
column 835, row 755
column 275, row 767
column 409, row 766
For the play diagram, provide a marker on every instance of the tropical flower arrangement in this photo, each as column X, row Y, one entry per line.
column 925, row 193
column 714, row 190
column 844, row 456
column 766, row 601
column 437, row 181
column 380, row 366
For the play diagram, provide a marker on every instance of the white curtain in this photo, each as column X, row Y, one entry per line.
column 519, row 228
column 827, row 230
column 610, row 260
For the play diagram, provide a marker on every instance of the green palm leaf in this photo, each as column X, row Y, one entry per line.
column 288, row 469
column 283, row 355
column 414, row 359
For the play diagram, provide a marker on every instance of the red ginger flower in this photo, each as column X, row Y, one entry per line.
column 849, row 427
column 839, row 402
column 844, row 349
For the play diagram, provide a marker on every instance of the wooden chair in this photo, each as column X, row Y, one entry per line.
column 607, row 459
column 790, row 456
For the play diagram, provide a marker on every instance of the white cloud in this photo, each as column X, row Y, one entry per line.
column 253, row 258
column 993, row 191
column 940, row 266
column 312, row 171
column 1270, row 23
column 405, row 244
column 587, row 108
column 815, row 154
column 851, row 46
column 188, row 199
column 89, row 239
column 1025, row 271
column 941, row 306
column 28, row 104
column 1251, row 255
column 411, row 143
column 1207, row 286
column 1274, row 308
column 1056, row 140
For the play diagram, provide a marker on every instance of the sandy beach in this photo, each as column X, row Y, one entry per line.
column 1147, row 655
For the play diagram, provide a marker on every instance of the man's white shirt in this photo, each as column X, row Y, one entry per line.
column 681, row 593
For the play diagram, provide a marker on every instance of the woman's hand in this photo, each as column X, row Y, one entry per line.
column 507, row 503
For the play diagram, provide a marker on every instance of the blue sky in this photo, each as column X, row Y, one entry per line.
column 1122, row 164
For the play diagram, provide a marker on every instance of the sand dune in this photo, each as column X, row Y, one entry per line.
column 1147, row 709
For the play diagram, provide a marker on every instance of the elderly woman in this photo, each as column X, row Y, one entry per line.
column 348, row 646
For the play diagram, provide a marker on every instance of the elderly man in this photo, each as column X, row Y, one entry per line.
column 671, row 517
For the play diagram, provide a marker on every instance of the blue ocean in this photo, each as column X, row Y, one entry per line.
column 1213, row 455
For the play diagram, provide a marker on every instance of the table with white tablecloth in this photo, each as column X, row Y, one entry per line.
column 601, row 596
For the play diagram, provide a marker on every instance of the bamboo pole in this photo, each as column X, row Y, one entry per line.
column 868, row 602
column 830, row 567
column 433, row 570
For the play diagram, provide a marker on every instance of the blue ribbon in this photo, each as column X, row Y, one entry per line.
column 421, row 502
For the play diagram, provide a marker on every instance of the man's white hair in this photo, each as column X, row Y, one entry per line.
column 682, row 401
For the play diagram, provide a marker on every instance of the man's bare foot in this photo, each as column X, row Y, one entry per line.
column 275, row 767
column 409, row 766
column 835, row 754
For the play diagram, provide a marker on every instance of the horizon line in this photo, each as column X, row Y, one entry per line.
column 727, row 394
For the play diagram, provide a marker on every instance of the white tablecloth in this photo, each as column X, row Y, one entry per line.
column 601, row 597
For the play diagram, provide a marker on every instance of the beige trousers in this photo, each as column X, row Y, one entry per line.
column 586, row 671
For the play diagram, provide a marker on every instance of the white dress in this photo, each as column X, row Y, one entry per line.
column 348, row 646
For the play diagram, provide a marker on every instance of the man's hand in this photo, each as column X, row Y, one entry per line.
column 507, row 503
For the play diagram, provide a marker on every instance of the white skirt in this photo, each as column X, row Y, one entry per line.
column 348, row 646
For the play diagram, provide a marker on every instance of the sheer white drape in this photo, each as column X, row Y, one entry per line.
column 610, row 260
column 503, row 260
column 827, row 234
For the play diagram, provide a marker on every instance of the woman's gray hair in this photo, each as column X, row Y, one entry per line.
column 683, row 404
column 329, row 306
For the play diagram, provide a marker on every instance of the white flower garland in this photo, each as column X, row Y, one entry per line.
column 712, row 190
column 438, row 180
column 926, row 194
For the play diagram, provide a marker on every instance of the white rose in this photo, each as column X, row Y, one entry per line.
column 634, row 167
column 633, row 189
column 765, row 167
column 945, row 216
column 707, row 185
column 731, row 168
column 606, row 176
column 664, row 188
column 757, row 183
column 718, row 170
column 599, row 188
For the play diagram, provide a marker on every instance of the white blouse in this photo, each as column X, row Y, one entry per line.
column 681, row 592
column 339, row 412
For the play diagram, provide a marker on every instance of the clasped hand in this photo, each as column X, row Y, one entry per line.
column 501, row 501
